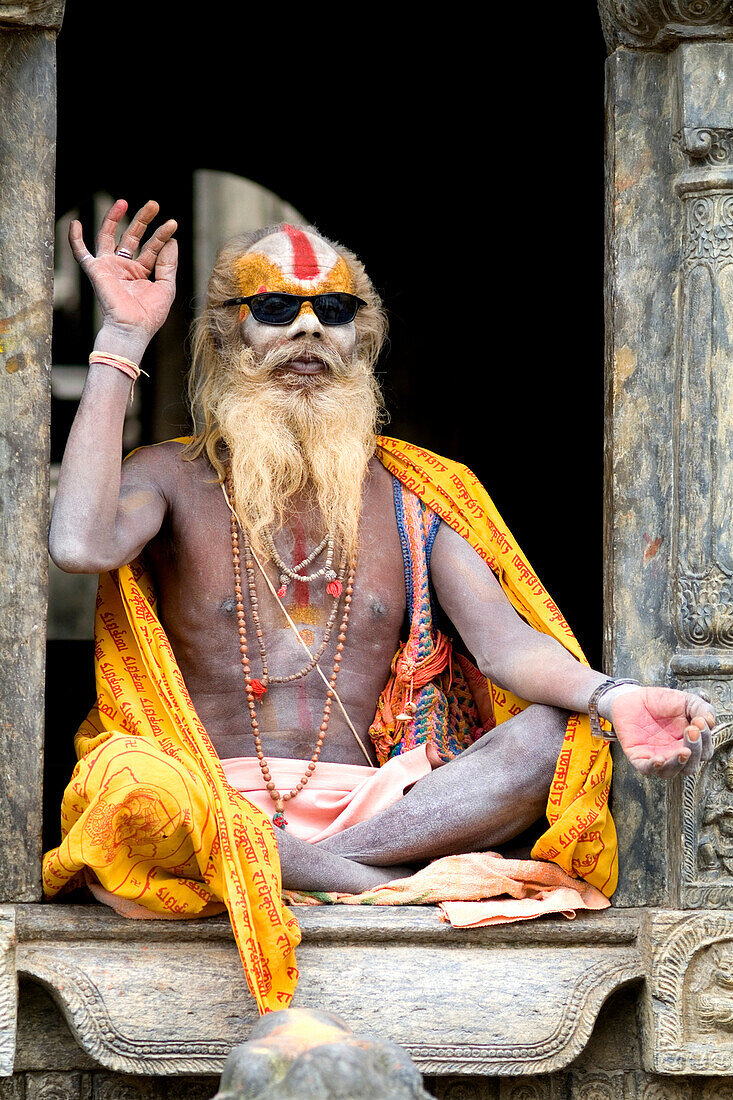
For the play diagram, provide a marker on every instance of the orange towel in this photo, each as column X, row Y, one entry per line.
column 462, row 885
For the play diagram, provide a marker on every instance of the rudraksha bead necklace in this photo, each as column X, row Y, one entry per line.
column 278, row 798
column 287, row 574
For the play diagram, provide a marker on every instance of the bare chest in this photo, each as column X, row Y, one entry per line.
column 192, row 560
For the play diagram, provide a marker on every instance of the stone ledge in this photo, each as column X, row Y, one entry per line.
column 324, row 923
column 169, row 997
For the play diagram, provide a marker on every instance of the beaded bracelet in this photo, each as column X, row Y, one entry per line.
column 107, row 359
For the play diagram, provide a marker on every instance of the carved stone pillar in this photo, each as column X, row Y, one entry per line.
column 27, row 149
column 669, row 484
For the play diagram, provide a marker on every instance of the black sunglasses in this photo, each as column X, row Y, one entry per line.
column 281, row 309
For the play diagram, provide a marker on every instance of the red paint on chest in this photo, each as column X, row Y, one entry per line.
column 305, row 264
column 301, row 593
column 301, row 598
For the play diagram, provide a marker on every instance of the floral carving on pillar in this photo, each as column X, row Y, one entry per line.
column 703, row 543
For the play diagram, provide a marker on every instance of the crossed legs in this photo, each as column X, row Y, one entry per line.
column 490, row 793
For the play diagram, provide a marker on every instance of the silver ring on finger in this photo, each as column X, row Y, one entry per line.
column 124, row 252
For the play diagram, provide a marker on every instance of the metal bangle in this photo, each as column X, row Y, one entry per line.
column 595, row 721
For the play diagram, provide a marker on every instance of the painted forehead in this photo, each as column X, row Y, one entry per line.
column 292, row 260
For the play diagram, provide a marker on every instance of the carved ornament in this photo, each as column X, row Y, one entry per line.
column 706, row 602
column 707, row 815
column 598, row 1086
column 661, row 24
column 706, row 146
column 701, row 531
column 529, row 1088
column 690, row 993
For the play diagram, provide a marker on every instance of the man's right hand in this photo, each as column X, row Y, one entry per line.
column 133, row 305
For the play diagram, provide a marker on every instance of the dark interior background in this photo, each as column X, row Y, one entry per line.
column 460, row 156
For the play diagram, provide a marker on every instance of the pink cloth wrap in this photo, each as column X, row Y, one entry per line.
column 337, row 795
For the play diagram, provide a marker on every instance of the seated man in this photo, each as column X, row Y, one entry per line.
column 285, row 538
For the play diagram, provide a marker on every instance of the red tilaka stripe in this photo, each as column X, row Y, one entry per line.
column 301, row 592
column 305, row 264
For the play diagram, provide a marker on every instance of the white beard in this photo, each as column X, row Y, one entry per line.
column 291, row 434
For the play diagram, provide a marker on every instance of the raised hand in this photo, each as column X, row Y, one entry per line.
column 663, row 732
column 132, row 304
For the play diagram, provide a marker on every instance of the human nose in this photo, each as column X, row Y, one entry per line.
column 305, row 324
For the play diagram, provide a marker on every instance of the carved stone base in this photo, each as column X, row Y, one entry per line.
column 511, row 1006
column 560, row 1086
column 161, row 998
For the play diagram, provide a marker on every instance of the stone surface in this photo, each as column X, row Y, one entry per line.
column 32, row 13
column 463, row 1088
column 125, row 987
column 669, row 472
column 8, row 990
column 535, row 1088
column 27, row 148
column 642, row 235
column 43, row 1040
column 614, row 1046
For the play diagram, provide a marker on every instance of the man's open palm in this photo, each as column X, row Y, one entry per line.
column 663, row 732
column 127, row 296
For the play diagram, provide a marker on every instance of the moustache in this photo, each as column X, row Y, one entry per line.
column 306, row 351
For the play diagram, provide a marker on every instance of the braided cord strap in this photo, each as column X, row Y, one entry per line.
column 595, row 722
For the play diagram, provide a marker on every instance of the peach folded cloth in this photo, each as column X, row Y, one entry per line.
column 337, row 795
column 463, row 884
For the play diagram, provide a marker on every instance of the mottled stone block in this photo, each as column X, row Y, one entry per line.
column 643, row 226
column 27, row 151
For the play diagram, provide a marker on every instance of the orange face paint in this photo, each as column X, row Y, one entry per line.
column 294, row 261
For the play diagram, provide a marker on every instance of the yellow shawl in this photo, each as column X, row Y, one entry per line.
column 141, row 695
column 581, row 837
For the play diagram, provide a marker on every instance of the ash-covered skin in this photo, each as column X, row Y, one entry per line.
column 104, row 516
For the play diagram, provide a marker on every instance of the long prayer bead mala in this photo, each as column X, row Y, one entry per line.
column 278, row 798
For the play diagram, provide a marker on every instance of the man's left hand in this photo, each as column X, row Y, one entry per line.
column 663, row 732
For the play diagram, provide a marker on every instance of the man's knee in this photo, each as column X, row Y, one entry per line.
column 549, row 726
column 534, row 737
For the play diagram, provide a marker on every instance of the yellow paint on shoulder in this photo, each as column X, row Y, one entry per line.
column 308, row 614
column 130, row 502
